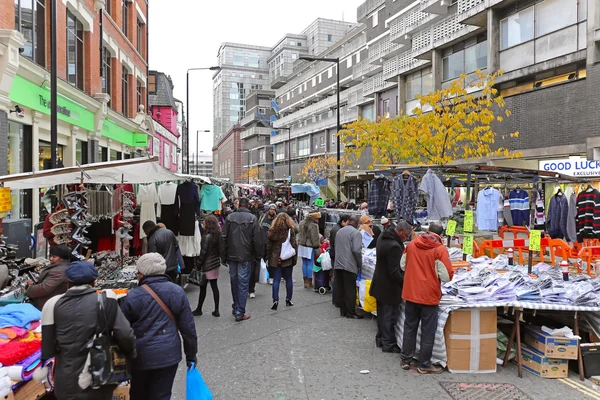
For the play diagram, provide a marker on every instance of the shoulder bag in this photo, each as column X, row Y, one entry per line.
column 160, row 303
column 287, row 251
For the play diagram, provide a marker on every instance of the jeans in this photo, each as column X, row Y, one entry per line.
column 239, row 274
column 345, row 288
column 428, row 317
column 307, row 265
column 152, row 384
column 387, row 317
column 286, row 272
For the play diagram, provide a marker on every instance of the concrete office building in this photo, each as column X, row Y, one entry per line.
column 202, row 165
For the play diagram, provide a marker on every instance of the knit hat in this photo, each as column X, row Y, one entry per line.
column 81, row 272
column 384, row 220
column 61, row 251
column 151, row 264
column 315, row 214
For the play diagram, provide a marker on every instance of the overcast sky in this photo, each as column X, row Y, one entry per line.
column 188, row 35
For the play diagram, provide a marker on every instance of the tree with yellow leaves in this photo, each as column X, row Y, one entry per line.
column 451, row 124
column 318, row 168
column 252, row 174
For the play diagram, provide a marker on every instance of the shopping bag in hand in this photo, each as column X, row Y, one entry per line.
column 263, row 272
column 195, row 388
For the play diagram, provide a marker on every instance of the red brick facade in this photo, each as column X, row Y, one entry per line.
column 228, row 155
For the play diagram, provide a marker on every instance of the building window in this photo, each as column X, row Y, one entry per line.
column 113, row 155
column 280, row 152
column 552, row 15
column 329, row 72
column 419, row 83
column 139, row 36
column 138, row 91
column 106, row 72
column 167, row 155
column 238, row 58
column 30, row 20
column 322, row 141
column 349, row 62
column 74, row 51
column 81, row 152
column 330, row 38
column 517, row 29
column 294, row 56
column 107, row 6
column 294, row 147
column 152, row 84
column 262, row 110
column 261, row 155
column 375, row 19
column 125, row 16
column 386, row 109
column 304, row 146
column 125, row 91
column 464, row 61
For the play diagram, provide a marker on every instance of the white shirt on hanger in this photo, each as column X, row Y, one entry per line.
column 147, row 197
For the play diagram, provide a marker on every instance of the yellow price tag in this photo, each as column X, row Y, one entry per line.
column 451, row 228
column 468, row 225
column 535, row 237
column 467, row 244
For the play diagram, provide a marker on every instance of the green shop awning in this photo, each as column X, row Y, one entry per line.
column 122, row 135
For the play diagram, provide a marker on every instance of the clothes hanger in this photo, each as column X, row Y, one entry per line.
column 559, row 192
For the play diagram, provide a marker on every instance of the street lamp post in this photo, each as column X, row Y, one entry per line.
column 337, row 141
column 197, row 132
column 187, row 106
column 289, row 151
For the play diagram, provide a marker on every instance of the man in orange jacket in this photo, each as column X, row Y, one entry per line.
column 426, row 263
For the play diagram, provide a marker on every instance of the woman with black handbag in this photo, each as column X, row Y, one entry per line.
column 209, row 263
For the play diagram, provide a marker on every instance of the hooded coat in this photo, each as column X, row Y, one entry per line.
column 388, row 278
column 421, row 280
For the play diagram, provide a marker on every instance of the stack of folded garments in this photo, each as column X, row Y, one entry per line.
column 455, row 253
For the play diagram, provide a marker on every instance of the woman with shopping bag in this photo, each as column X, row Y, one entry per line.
column 282, row 250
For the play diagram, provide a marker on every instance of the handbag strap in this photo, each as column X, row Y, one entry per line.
column 160, row 302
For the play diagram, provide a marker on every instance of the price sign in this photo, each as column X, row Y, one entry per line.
column 451, row 228
column 468, row 226
column 535, row 237
column 319, row 202
column 467, row 244
column 5, row 200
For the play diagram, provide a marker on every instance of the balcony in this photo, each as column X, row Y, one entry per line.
column 364, row 70
column 365, row 8
column 254, row 131
column 439, row 7
column 444, row 32
column 376, row 84
column 383, row 50
column 401, row 64
column 277, row 79
column 397, row 34
column 474, row 12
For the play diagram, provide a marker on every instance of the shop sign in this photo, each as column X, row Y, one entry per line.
column 573, row 166
column 37, row 98
column 122, row 135
column 5, row 200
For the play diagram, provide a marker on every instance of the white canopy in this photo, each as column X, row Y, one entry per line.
column 137, row 170
column 204, row 179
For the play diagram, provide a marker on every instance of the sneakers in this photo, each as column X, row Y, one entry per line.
column 270, row 281
column 243, row 318
column 252, row 295
column 432, row 369
column 408, row 365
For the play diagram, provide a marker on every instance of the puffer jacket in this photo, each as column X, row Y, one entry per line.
column 242, row 237
column 276, row 240
column 68, row 324
column 52, row 282
column 164, row 242
column 157, row 338
column 209, row 258
column 309, row 233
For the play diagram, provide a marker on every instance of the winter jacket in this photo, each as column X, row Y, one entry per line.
column 242, row 237
column 210, row 257
column 274, row 244
column 157, row 338
column 421, row 279
column 332, row 236
column 376, row 233
column 309, row 233
column 558, row 213
column 588, row 215
column 438, row 202
column 388, row 278
column 348, row 249
column 164, row 242
column 68, row 324
column 52, row 282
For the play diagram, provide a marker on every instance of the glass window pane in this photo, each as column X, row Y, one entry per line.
column 476, row 57
column 453, row 65
column 552, row 15
column 517, row 28
column 427, row 82
column 413, row 87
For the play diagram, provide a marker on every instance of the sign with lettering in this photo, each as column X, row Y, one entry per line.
column 535, row 237
column 5, row 200
column 451, row 228
column 468, row 222
column 319, row 202
column 467, row 244
column 572, row 166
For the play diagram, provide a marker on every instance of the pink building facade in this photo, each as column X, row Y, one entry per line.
column 164, row 144
column 163, row 110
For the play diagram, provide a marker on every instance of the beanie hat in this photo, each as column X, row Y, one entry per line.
column 61, row 251
column 384, row 220
column 81, row 272
column 151, row 264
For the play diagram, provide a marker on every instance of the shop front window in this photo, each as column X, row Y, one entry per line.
column 113, row 155
column 45, row 155
column 81, row 152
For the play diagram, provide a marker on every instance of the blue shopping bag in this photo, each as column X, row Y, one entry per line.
column 195, row 388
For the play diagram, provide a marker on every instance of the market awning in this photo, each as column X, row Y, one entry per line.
column 204, row 179
column 137, row 170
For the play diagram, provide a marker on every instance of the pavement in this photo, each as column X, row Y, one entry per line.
column 309, row 352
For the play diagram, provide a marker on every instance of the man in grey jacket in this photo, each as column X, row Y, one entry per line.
column 348, row 261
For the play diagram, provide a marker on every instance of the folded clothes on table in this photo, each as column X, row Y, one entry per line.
column 23, row 370
column 13, row 352
column 20, row 315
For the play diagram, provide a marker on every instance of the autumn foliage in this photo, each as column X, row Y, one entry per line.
column 456, row 123
column 322, row 167
column 252, row 174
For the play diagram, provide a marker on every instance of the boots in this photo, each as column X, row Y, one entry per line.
column 307, row 283
column 310, row 283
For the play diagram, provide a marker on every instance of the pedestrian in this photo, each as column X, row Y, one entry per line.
column 348, row 261
column 385, row 223
column 309, row 244
column 209, row 262
column 426, row 262
column 163, row 242
column 387, row 282
column 364, row 208
column 366, row 225
column 340, row 224
column 281, row 230
column 52, row 280
column 265, row 222
column 69, row 323
column 242, row 245
column 159, row 312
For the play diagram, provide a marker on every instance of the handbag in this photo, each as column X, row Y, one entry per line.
column 287, row 251
column 160, row 303
column 197, row 277
column 108, row 365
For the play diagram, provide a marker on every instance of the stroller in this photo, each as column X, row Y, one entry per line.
column 321, row 274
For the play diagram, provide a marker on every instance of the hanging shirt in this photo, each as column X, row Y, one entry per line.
column 519, row 207
column 167, row 193
column 404, row 197
column 558, row 213
column 588, row 215
column 147, row 197
column 438, row 203
column 210, row 197
column 571, row 217
column 379, row 194
column 488, row 201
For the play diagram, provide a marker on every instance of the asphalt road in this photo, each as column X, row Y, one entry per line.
column 309, row 352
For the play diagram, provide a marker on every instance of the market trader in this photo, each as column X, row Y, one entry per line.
column 52, row 279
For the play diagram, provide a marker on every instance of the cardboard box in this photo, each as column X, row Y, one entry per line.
column 551, row 346
column 32, row 390
column 471, row 340
column 536, row 363
column 121, row 393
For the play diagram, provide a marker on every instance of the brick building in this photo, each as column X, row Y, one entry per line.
column 228, row 155
column 102, row 77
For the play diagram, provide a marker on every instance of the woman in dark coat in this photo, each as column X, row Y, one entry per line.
column 278, row 234
column 209, row 262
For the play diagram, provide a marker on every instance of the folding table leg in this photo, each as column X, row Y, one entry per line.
column 518, row 333
column 579, row 357
column 510, row 342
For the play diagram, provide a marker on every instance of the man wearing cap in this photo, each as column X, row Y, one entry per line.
column 52, row 280
column 69, row 323
column 158, row 343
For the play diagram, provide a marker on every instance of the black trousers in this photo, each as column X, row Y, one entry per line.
column 173, row 274
column 345, row 287
column 152, row 384
column 254, row 276
column 428, row 317
column 387, row 317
